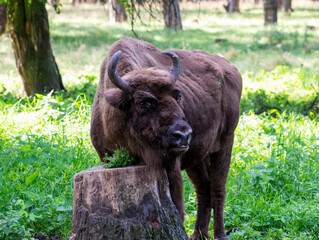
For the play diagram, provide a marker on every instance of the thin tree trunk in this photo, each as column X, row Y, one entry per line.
column 232, row 6
column 237, row 6
column 172, row 16
column 3, row 18
column 116, row 11
column 286, row 6
column 280, row 4
column 91, row 1
column 73, row 2
column 28, row 27
column 270, row 12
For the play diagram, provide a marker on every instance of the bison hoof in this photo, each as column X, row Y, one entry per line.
column 198, row 236
column 221, row 238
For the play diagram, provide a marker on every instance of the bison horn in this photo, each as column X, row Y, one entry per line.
column 113, row 74
column 176, row 64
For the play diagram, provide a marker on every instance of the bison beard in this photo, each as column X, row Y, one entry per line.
column 179, row 117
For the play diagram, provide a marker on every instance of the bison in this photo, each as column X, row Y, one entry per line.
column 177, row 118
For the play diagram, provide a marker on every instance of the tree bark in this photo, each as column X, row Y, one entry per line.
column 28, row 27
column 286, row 6
column 116, row 11
column 73, row 2
column 3, row 18
column 124, row 203
column 270, row 12
column 232, row 6
column 91, row 1
column 172, row 15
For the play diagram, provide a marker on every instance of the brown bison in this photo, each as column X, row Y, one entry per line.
column 175, row 118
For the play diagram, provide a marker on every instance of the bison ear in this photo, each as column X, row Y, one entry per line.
column 116, row 98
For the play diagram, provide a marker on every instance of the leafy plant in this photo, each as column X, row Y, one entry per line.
column 13, row 225
column 120, row 158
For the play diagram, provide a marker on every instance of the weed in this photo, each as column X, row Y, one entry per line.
column 120, row 158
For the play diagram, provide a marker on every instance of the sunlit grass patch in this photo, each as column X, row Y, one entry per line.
column 272, row 189
column 274, row 181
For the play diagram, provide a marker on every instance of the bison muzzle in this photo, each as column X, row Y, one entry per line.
column 176, row 110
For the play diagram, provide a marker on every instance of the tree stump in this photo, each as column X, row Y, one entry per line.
column 124, row 204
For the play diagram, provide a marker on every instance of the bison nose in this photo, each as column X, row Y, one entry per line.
column 182, row 138
column 179, row 136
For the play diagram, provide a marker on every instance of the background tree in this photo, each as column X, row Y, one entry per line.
column 117, row 11
column 286, row 5
column 73, row 2
column 232, row 6
column 3, row 18
column 172, row 15
column 270, row 12
column 154, row 9
column 28, row 27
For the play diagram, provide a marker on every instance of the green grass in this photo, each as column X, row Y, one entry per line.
column 273, row 184
column 272, row 189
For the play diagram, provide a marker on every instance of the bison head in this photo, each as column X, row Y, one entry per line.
column 153, row 111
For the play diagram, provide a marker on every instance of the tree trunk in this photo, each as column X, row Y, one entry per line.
column 232, row 6
column 270, row 12
column 3, row 18
column 91, row 1
column 116, row 11
column 73, row 2
column 280, row 4
column 172, row 16
column 286, row 6
column 28, row 27
column 124, row 203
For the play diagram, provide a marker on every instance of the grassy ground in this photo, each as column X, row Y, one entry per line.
column 273, row 186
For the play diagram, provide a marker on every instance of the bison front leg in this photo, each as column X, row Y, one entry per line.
column 176, row 188
column 199, row 178
column 218, row 171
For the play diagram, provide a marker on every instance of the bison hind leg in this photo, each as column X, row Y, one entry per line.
column 199, row 177
column 176, row 187
column 218, row 172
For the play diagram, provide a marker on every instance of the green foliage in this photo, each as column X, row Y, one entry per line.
column 44, row 142
column 120, row 158
column 283, row 89
column 260, row 101
column 12, row 224
column 272, row 189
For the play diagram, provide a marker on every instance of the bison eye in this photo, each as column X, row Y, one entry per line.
column 143, row 106
column 144, row 101
column 179, row 98
column 178, row 95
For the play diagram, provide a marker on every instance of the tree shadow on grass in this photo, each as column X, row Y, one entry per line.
column 72, row 37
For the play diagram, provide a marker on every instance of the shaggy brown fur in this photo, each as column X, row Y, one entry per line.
column 211, row 91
